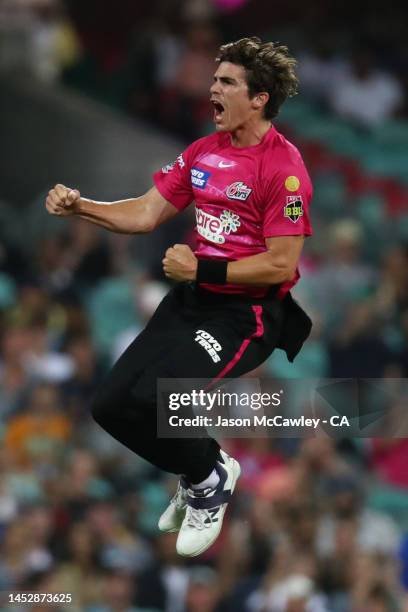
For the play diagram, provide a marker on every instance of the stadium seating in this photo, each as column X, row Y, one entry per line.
column 380, row 152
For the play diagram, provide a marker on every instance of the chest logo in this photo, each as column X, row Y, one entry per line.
column 199, row 177
column 294, row 208
column 223, row 164
column 213, row 228
column 238, row 191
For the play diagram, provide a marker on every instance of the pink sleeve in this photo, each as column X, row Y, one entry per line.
column 287, row 200
column 174, row 180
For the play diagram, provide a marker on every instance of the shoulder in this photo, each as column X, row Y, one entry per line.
column 283, row 161
column 212, row 140
column 285, row 153
column 200, row 147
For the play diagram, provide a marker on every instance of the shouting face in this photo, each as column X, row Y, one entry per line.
column 233, row 108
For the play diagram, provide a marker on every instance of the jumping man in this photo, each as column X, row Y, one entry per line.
column 231, row 306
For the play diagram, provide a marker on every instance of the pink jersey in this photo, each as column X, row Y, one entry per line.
column 242, row 196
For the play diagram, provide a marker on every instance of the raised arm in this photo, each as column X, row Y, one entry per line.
column 134, row 216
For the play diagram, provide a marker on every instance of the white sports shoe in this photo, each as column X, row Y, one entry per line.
column 173, row 516
column 206, row 508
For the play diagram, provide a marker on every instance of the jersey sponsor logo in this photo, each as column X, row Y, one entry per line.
column 212, row 228
column 292, row 183
column 169, row 167
column 209, row 344
column 294, row 208
column 213, row 161
column 223, row 164
column 238, row 191
column 230, row 221
column 199, row 177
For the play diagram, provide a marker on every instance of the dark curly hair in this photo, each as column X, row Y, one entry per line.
column 268, row 67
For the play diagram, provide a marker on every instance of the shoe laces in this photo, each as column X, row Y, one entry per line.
column 199, row 519
column 180, row 497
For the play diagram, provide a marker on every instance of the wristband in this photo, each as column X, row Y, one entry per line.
column 212, row 271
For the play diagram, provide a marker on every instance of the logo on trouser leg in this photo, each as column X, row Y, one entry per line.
column 209, row 343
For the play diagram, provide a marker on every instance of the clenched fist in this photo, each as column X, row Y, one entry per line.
column 180, row 263
column 62, row 201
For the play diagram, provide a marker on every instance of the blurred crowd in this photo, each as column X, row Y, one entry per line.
column 317, row 525
column 156, row 59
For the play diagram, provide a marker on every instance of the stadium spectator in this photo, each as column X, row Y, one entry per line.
column 78, row 570
column 163, row 585
column 40, row 432
column 38, row 39
column 185, row 100
column 358, row 349
column 320, row 67
column 367, row 96
column 14, row 377
column 344, row 275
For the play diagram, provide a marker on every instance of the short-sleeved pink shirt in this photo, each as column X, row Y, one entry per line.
column 242, row 196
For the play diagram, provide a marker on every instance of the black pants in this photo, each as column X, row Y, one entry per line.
column 247, row 331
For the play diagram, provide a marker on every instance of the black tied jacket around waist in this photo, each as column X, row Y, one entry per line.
column 295, row 327
column 295, row 323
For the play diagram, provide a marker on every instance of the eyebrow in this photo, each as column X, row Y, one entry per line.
column 225, row 79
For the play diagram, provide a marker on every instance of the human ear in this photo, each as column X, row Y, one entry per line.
column 260, row 99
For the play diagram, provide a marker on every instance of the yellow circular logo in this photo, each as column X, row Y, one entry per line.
column 292, row 183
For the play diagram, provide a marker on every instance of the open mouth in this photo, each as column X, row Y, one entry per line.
column 218, row 110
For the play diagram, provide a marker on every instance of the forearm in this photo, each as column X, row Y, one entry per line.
column 124, row 216
column 262, row 269
column 274, row 266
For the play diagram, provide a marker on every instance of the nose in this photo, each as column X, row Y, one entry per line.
column 214, row 89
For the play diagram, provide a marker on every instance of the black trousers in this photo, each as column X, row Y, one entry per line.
column 125, row 405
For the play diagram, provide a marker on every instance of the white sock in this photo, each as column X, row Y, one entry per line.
column 211, row 481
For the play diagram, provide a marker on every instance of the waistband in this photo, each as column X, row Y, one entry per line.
column 211, row 297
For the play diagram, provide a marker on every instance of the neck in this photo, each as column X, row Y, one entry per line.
column 250, row 134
